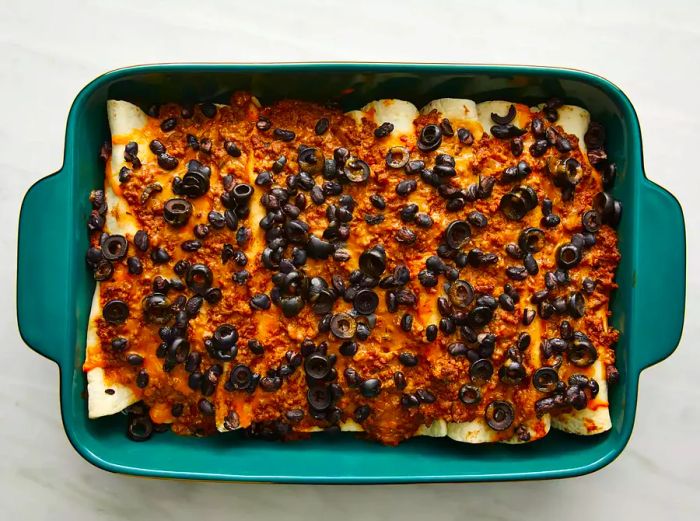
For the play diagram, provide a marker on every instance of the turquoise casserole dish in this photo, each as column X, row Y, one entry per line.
column 53, row 294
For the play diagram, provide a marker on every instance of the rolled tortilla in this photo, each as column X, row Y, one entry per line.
column 102, row 402
column 402, row 115
column 478, row 119
column 125, row 122
column 595, row 418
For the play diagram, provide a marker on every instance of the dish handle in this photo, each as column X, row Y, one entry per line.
column 660, row 279
column 43, row 266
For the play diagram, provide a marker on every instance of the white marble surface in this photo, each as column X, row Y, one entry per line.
column 51, row 49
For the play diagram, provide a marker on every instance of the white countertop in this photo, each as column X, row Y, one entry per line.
column 50, row 50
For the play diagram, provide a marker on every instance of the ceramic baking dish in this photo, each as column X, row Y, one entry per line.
column 54, row 290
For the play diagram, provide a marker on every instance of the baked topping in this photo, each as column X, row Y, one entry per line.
column 296, row 269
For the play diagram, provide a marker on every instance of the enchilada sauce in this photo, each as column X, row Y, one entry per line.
column 262, row 315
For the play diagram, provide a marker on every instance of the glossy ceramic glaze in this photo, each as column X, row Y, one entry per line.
column 54, row 290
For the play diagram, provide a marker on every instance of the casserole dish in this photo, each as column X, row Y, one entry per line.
column 54, row 290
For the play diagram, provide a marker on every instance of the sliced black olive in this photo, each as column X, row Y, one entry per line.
column 195, row 182
column 461, row 293
column 568, row 256
column 242, row 193
column 531, row 240
column 499, row 415
column 140, row 427
column 311, row 160
column 224, row 343
column 469, row 395
column 199, row 278
column 581, row 352
column 591, row 221
column 356, row 170
column 507, row 118
column 545, row 379
column 370, row 387
column 528, row 194
column 343, row 326
column 114, row 247
column 373, row 261
column 595, row 135
column 457, row 234
column 430, row 138
column 177, row 212
column 397, row 157
column 513, row 206
column 481, row 371
column 317, row 366
column 576, row 305
column 319, row 397
column 115, row 311
column 156, row 309
column 178, row 350
column 366, row 301
column 240, row 378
